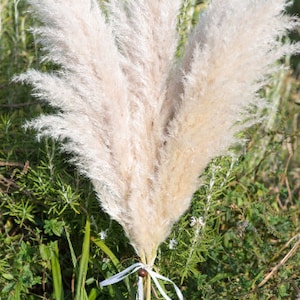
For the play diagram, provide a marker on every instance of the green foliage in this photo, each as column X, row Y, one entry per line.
column 17, row 270
column 188, row 17
column 239, row 240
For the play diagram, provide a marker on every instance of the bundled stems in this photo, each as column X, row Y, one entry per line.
column 148, row 261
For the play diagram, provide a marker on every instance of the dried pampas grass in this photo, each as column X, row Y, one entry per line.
column 141, row 123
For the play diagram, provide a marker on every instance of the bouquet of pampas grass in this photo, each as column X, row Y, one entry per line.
column 141, row 122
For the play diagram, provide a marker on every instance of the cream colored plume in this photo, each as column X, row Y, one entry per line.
column 143, row 124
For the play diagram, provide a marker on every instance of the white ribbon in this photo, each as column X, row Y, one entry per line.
column 155, row 276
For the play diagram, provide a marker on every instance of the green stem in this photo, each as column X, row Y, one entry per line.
column 148, row 287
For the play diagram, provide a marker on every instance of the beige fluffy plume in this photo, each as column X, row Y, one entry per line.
column 141, row 123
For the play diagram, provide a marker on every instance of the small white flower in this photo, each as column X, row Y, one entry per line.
column 106, row 260
column 172, row 244
column 197, row 221
column 103, row 234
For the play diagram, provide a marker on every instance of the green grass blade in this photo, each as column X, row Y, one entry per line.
column 93, row 294
column 100, row 243
column 73, row 256
column 56, row 273
column 83, row 266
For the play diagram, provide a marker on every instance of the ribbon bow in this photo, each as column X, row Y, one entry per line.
column 154, row 275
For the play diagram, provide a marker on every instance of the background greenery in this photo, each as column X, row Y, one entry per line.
column 240, row 239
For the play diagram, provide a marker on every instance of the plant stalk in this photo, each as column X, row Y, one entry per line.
column 148, row 287
column 148, row 260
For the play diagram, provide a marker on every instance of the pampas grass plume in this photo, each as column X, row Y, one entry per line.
column 142, row 124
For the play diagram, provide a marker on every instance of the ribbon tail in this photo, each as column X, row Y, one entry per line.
column 120, row 276
column 162, row 292
column 140, row 294
column 155, row 276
